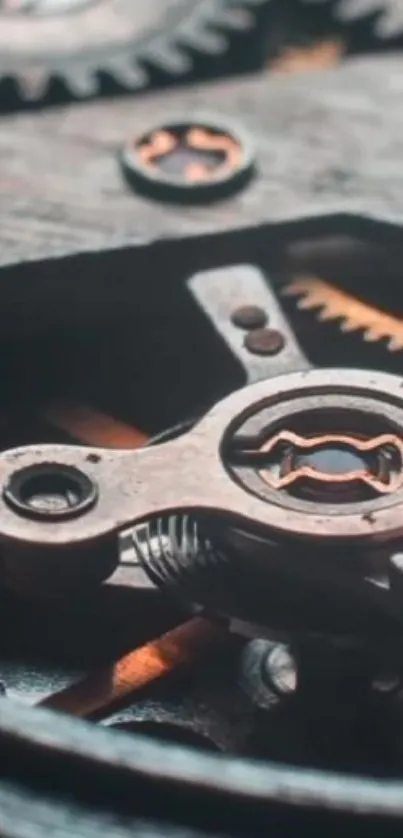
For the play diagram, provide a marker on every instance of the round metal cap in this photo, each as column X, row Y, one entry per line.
column 188, row 162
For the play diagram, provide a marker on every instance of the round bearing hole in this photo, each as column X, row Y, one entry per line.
column 50, row 491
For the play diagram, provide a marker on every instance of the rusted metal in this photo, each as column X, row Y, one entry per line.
column 182, row 646
column 133, row 486
column 90, row 426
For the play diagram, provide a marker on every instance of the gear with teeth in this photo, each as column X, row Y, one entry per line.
column 388, row 14
column 79, row 42
column 333, row 303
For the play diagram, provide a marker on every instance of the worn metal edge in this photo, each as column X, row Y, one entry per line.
column 39, row 743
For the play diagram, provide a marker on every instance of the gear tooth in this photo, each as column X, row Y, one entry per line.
column 236, row 18
column 169, row 58
column 324, row 314
column 354, row 9
column 388, row 14
column 202, row 26
column 395, row 344
column 293, row 289
column 127, row 73
column 201, row 38
column 82, row 83
column 305, row 303
column 389, row 25
column 349, row 326
column 352, row 314
column 372, row 335
column 33, row 83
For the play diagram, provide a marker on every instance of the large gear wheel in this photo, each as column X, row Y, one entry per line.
column 387, row 14
column 77, row 42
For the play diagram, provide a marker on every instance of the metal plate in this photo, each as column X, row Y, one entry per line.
column 332, row 147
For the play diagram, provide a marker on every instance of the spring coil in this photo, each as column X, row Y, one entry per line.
column 175, row 552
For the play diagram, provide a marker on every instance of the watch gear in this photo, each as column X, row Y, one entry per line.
column 388, row 14
column 80, row 42
column 333, row 303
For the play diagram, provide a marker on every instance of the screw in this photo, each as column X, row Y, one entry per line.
column 249, row 317
column 264, row 342
column 279, row 669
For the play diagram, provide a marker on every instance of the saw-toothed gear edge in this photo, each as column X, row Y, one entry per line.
column 116, row 42
column 329, row 303
column 386, row 16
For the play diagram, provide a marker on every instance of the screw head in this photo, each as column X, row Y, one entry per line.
column 186, row 161
column 279, row 669
column 264, row 342
column 249, row 317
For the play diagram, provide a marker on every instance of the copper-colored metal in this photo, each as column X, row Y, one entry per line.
column 134, row 485
column 182, row 646
column 163, row 143
column 203, row 140
column 335, row 304
column 93, row 427
column 315, row 57
column 360, row 445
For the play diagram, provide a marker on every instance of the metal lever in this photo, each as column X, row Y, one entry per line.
column 71, row 501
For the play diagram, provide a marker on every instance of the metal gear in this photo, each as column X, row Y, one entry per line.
column 388, row 14
column 74, row 41
column 354, row 315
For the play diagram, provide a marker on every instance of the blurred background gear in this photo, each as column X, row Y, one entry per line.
column 50, row 50
column 328, row 302
column 384, row 16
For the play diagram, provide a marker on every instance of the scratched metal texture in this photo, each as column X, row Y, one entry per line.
column 325, row 143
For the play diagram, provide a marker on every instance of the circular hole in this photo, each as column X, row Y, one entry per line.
column 50, row 491
column 168, row 732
